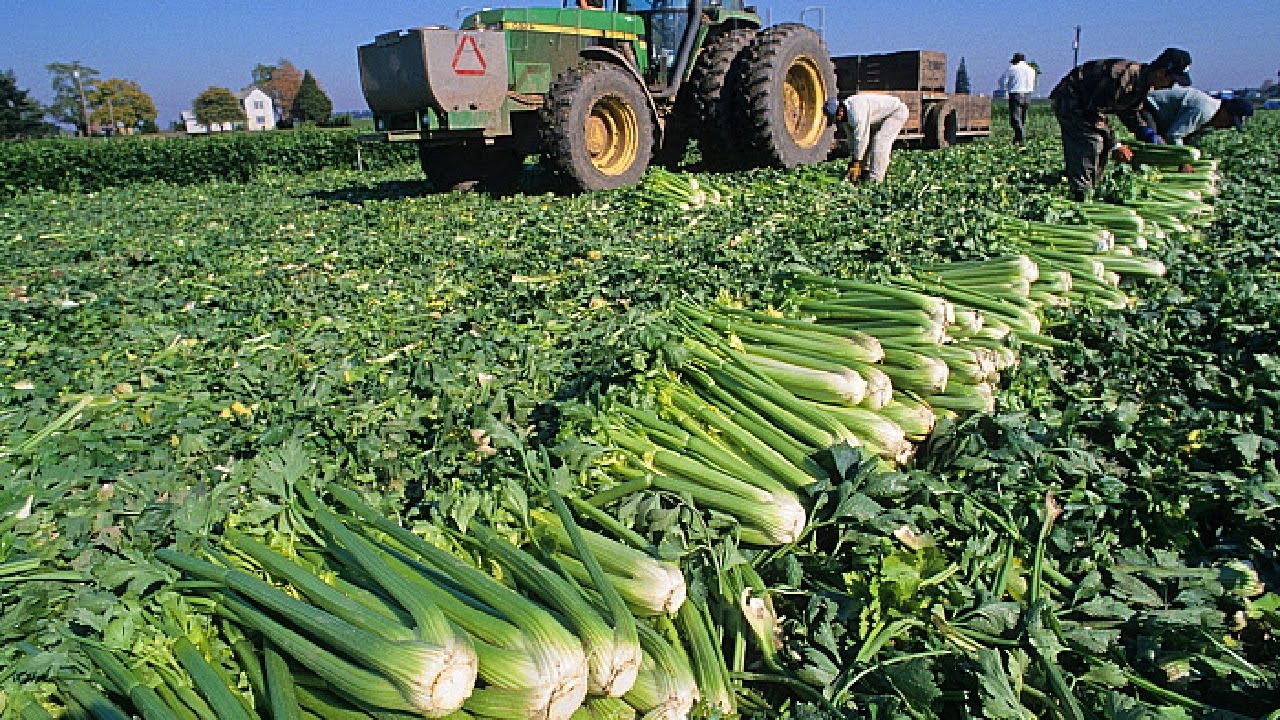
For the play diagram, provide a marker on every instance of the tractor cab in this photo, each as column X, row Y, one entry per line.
column 672, row 30
column 666, row 21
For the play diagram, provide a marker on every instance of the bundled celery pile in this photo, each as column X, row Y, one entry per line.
column 680, row 191
column 1145, row 153
column 753, row 397
column 369, row 619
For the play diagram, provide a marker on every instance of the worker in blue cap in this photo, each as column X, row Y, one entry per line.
column 1085, row 97
column 1183, row 114
column 871, row 124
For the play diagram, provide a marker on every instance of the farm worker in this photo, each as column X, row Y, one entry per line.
column 871, row 123
column 1018, row 80
column 1182, row 113
column 591, row 4
column 1084, row 97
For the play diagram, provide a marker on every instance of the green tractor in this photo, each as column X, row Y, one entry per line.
column 600, row 90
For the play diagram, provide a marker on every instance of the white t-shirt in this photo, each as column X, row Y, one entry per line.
column 864, row 112
column 1019, row 78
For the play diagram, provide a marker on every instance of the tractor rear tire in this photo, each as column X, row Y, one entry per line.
column 467, row 167
column 714, row 87
column 786, row 77
column 597, row 128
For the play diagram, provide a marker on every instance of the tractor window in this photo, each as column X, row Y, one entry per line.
column 666, row 21
column 639, row 6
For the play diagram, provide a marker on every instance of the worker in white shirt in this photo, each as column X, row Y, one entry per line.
column 1018, row 82
column 871, row 124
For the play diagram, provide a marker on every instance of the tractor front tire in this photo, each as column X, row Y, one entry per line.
column 787, row 76
column 597, row 128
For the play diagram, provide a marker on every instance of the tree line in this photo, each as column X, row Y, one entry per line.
column 96, row 105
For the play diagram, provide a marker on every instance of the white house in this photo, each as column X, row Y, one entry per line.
column 195, row 127
column 259, row 112
column 258, row 109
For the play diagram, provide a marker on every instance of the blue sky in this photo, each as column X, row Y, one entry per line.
column 177, row 48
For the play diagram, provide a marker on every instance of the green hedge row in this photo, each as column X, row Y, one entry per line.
column 71, row 165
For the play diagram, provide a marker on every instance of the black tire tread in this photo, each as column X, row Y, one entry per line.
column 760, row 65
column 936, row 136
column 713, row 86
column 562, row 137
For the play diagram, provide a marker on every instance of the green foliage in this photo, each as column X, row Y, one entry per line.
column 311, row 103
column 71, row 166
column 339, row 120
column 280, row 82
column 121, row 101
column 176, row 359
column 72, row 82
column 216, row 106
column 20, row 115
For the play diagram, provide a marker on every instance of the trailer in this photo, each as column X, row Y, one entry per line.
column 918, row 78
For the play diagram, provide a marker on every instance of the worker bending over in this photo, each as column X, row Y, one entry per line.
column 1085, row 97
column 1180, row 114
column 871, row 123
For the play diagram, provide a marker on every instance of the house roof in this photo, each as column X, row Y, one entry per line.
column 249, row 91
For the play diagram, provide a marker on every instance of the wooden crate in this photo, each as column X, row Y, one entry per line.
column 973, row 112
column 919, row 70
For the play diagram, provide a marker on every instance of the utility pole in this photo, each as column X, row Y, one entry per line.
column 1075, row 49
column 111, row 113
column 84, row 106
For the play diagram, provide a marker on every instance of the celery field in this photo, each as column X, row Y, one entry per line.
column 309, row 441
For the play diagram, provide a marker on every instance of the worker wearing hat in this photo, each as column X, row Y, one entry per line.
column 1085, row 97
column 1018, row 81
column 871, row 124
column 1180, row 114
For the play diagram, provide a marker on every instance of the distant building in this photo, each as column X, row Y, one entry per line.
column 259, row 110
column 195, row 127
column 259, row 113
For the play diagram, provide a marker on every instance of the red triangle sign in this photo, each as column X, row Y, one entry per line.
column 467, row 59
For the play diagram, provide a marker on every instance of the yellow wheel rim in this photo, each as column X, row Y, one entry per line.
column 803, row 94
column 613, row 135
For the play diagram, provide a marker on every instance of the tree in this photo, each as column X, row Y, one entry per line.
column 20, row 115
column 121, row 102
column 280, row 82
column 216, row 106
column 962, row 79
column 72, row 82
column 312, row 104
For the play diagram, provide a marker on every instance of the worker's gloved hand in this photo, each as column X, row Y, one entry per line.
column 1122, row 153
column 1148, row 135
column 855, row 172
